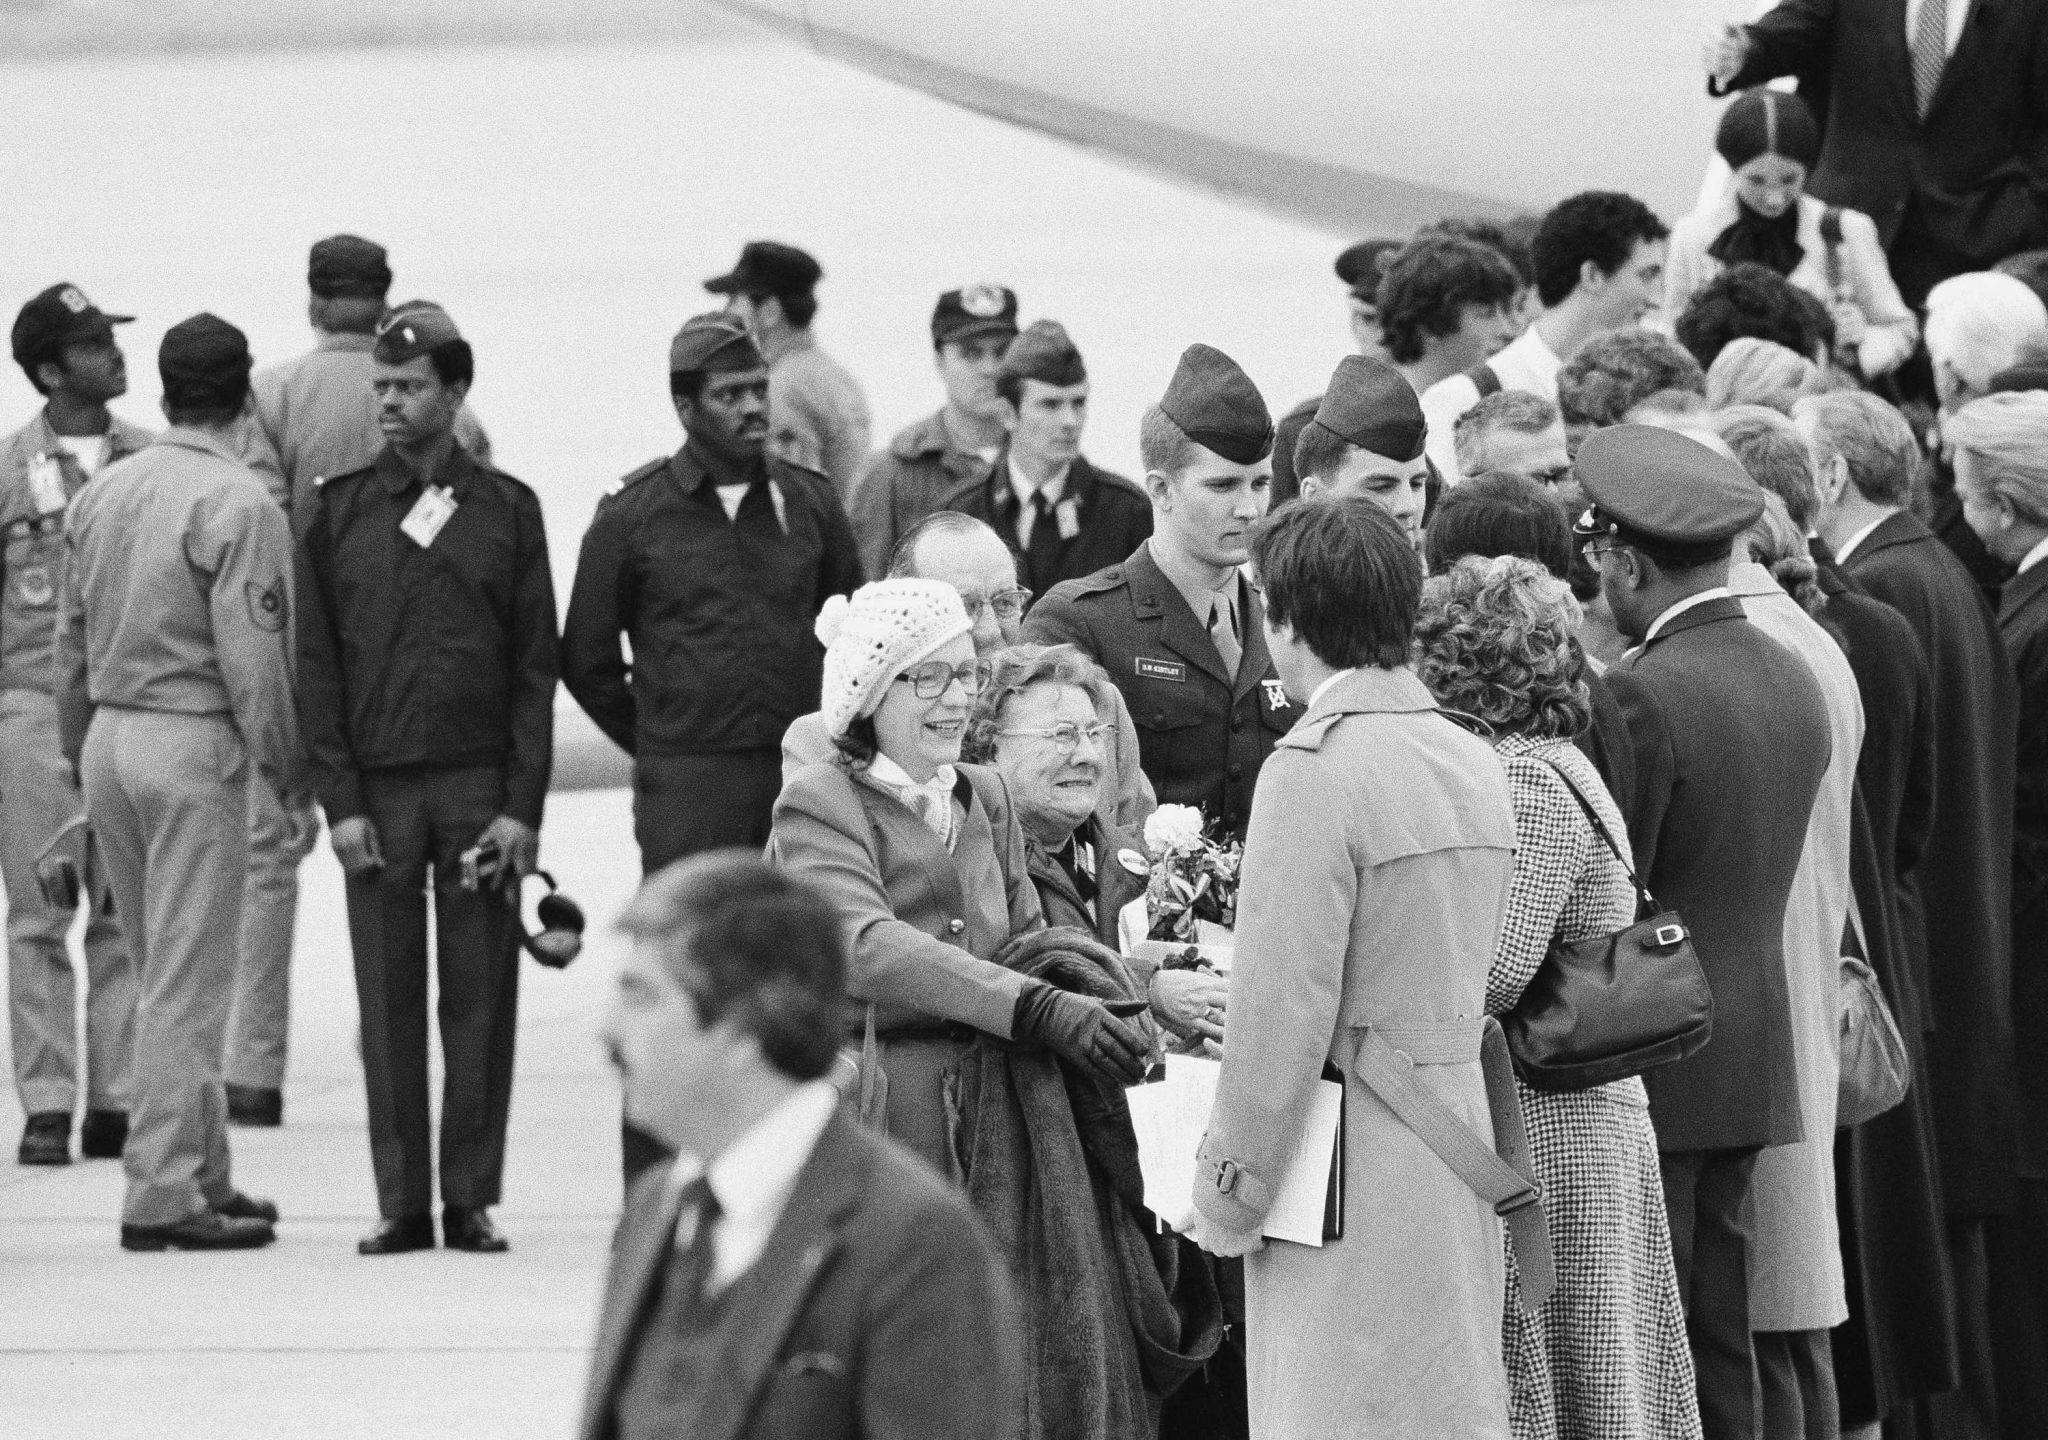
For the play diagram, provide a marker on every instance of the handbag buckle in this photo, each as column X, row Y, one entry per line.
column 1670, row 934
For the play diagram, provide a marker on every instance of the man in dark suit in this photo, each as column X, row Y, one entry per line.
column 1064, row 517
column 1731, row 741
column 791, row 1275
column 1936, row 119
column 1176, row 627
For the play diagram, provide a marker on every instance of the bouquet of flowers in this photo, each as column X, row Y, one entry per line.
column 1194, row 876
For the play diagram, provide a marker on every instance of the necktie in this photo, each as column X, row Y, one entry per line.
column 1042, row 555
column 1223, row 630
column 691, row 1267
column 1930, row 51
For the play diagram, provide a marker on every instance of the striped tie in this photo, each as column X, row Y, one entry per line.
column 1930, row 51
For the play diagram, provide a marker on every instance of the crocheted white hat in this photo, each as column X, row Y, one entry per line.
column 889, row 626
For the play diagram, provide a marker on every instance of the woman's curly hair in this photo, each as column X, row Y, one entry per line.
column 1494, row 640
column 1017, row 669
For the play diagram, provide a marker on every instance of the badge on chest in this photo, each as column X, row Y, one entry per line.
column 46, row 484
column 1151, row 669
column 1276, row 694
column 432, row 511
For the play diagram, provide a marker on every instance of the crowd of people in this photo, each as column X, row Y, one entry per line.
column 1697, row 571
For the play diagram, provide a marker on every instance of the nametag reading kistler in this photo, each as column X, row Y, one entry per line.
column 429, row 513
column 46, row 484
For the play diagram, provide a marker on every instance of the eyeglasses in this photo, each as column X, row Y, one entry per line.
column 1066, row 737
column 933, row 678
column 1597, row 548
column 1008, row 604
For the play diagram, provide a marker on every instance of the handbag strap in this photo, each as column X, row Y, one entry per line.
column 1646, row 903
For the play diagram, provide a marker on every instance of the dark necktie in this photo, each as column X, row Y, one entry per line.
column 1930, row 51
column 691, row 1267
column 1223, row 630
column 1042, row 556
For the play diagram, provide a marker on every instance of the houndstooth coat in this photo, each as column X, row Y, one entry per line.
column 1605, row 1358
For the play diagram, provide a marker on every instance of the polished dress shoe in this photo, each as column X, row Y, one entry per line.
column 247, row 1207
column 471, row 1230
column 255, row 1105
column 203, row 1230
column 397, row 1237
column 104, row 1135
column 46, row 1139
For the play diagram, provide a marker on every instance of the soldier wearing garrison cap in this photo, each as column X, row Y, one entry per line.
column 1366, row 442
column 1174, row 623
column 427, row 652
column 937, row 462
column 1359, row 267
column 1063, row 517
column 65, row 345
column 817, row 414
column 1731, row 740
column 173, row 696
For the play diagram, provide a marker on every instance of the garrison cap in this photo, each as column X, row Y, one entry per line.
column 2020, row 377
column 1370, row 404
column 1214, row 403
column 1360, row 265
column 348, row 265
column 1662, row 485
column 974, row 310
column 1044, row 353
column 412, row 330
column 57, row 317
column 768, row 268
column 713, row 341
column 204, row 352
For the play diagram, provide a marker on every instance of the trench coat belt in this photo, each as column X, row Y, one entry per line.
column 1384, row 1059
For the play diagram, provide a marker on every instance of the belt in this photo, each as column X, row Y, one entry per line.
column 1384, row 1061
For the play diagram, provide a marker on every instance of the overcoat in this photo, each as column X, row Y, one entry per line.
column 2023, row 621
column 1376, row 875
column 1965, row 874
column 923, row 924
column 1796, row 1251
column 1117, row 883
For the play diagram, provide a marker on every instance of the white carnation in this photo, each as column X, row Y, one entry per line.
column 1173, row 827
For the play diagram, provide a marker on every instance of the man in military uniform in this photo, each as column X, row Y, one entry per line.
column 817, row 415
column 1359, row 267
column 427, row 681
column 1064, row 517
column 934, row 463
column 1366, row 443
column 174, row 685
column 1175, row 625
column 65, row 345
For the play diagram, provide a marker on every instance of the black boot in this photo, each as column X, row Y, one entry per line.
column 104, row 1135
column 46, row 1139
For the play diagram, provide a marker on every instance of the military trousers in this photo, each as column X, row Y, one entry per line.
column 37, row 797
column 425, row 817
column 259, row 1024
column 168, row 797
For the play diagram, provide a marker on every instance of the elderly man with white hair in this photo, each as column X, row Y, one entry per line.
column 1977, row 325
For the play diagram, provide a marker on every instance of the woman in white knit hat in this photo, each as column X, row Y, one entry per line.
column 924, row 858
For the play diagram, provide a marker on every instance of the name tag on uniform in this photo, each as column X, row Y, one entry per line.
column 1067, row 515
column 1276, row 694
column 1173, row 670
column 46, row 484
column 429, row 513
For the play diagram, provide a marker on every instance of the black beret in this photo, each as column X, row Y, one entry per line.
column 717, row 341
column 1046, row 354
column 1370, row 404
column 1214, row 403
column 768, row 268
column 974, row 310
column 1666, row 486
column 1360, row 265
column 203, row 352
column 348, row 265
column 411, row 330
column 57, row 317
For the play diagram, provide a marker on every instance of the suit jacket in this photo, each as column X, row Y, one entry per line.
column 1976, row 167
column 878, row 1309
column 1116, row 884
column 1731, row 743
column 1113, row 516
column 1202, row 735
column 1965, row 874
column 2023, row 621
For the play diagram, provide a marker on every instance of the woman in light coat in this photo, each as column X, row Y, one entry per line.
column 1605, row 1357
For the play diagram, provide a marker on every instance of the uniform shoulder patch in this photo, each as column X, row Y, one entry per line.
column 268, row 607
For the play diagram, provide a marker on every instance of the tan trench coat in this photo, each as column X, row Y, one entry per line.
column 1376, row 874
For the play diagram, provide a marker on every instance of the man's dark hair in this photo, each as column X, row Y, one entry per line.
column 1343, row 575
column 1318, row 452
column 1745, row 299
column 1613, row 373
column 1499, row 513
column 755, row 944
column 686, row 384
column 1426, row 287
column 193, row 402
column 1512, row 240
column 454, row 362
column 1603, row 226
column 799, row 307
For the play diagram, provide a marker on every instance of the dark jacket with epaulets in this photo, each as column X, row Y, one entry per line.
column 719, row 611
column 1111, row 516
column 1201, row 736
column 440, row 655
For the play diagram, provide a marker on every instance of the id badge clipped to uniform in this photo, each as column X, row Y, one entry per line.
column 46, row 484
column 429, row 513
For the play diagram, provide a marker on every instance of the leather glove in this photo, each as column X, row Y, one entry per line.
column 1082, row 1032
column 355, row 845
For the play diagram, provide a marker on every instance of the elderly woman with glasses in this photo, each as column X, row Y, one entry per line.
column 925, row 859
column 1605, row 1357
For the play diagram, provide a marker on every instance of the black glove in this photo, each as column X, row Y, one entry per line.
column 1082, row 1032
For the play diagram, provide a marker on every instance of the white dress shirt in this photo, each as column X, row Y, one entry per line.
column 1717, row 592
column 1849, row 546
column 1054, row 491
column 2034, row 556
column 753, row 1178
column 1320, row 689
